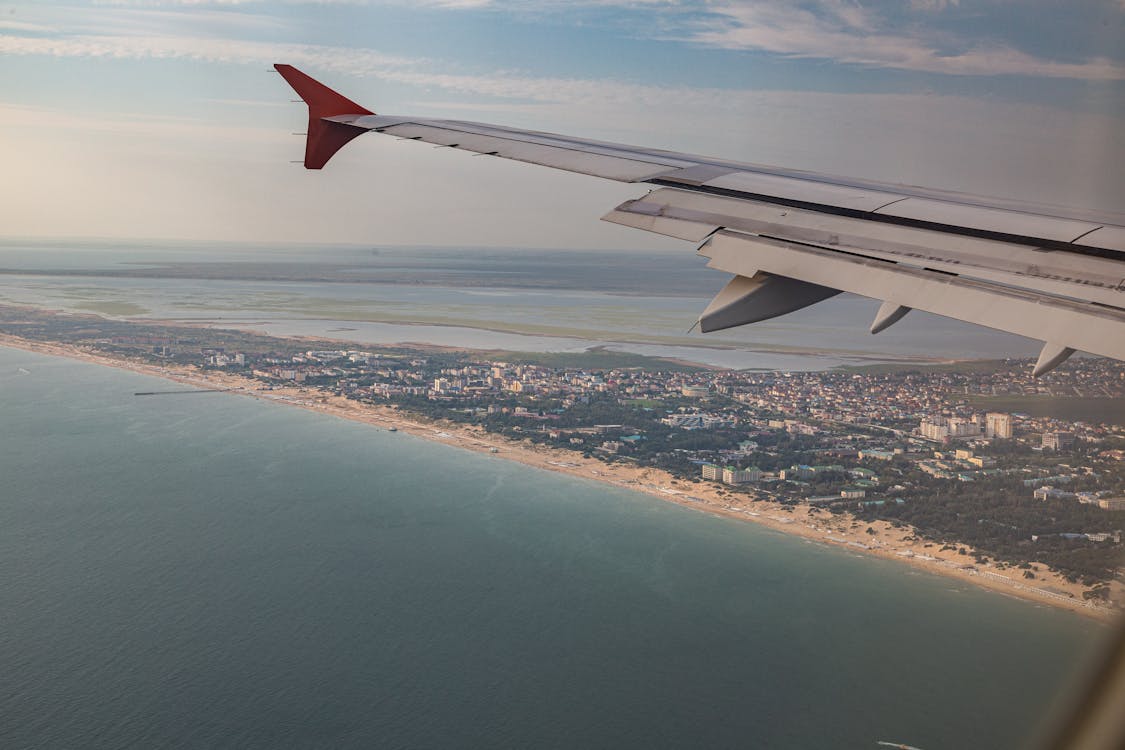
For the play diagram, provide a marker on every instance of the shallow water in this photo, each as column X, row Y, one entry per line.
column 521, row 300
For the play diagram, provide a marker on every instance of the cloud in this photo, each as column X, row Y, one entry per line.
column 420, row 72
column 617, row 110
column 936, row 5
column 160, row 128
column 246, row 102
column 26, row 26
column 363, row 63
column 409, row 3
column 853, row 34
column 216, row 50
column 843, row 31
column 133, row 172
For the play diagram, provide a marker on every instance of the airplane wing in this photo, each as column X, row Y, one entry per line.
column 793, row 238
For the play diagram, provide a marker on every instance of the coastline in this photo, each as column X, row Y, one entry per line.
column 878, row 539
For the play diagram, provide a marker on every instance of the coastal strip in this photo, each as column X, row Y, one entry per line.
column 875, row 538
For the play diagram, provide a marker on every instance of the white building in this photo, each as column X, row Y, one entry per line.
column 741, row 476
column 936, row 430
column 695, row 421
column 940, row 429
column 997, row 425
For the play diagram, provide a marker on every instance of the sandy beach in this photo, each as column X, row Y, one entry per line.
column 878, row 538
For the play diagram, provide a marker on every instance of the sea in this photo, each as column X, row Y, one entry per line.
column 206, row 570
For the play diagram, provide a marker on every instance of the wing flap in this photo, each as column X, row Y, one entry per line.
column 1077, row 325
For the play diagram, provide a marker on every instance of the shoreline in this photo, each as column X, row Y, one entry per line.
column 877, row 539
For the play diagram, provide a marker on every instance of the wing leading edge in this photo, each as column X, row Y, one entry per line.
column 794, row 238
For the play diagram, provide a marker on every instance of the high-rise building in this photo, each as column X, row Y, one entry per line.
column 961, row 427
column 940, row 429
column 998, row 425
column 934, row 429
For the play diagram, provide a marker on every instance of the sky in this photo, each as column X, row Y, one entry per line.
column 163, row 119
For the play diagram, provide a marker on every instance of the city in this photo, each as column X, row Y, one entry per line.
column 1025, row 472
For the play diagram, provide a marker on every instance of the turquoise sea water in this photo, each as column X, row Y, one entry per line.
column 214, row 571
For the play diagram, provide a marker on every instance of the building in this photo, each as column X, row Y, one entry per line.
column 695, row 391
column 941, row 429
column 1112, row 503
column 741, row 476
column 936, row 430
column 998, row 425
column 696, row 421
column 1050, row 493
column 1057, row 441
column 1038, row 481
column 731, row 475
column 793, row 427
column 797, row 471
column 960, row 427
column 864, row 475
column 852, row 493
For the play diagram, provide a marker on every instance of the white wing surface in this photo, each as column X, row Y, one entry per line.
column 793, row 238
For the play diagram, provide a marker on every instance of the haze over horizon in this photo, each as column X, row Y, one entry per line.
column 158, row 118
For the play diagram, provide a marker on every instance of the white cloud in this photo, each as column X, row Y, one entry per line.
column 26, row 26
column 154, row 127
column 849, row 33
column 218, row 50
column 842, row 31
column 936, row 5
column 246, row 102
column 462, row 4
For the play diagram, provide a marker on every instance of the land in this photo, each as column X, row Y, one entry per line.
column 1074, row 409
column 655, row 427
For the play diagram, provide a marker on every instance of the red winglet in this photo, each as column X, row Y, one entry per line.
column 325, row 137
